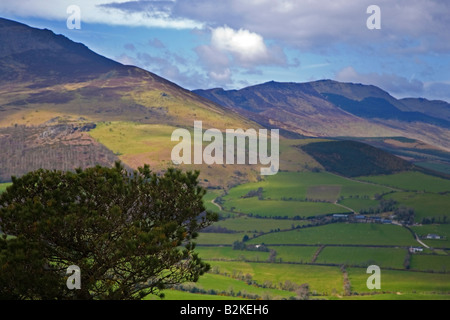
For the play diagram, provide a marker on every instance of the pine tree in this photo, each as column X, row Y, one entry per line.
column 131, row 234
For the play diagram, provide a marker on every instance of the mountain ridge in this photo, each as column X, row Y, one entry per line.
column 48, row 81
column 361, row 110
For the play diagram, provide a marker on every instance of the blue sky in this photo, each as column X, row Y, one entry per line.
column 237, row 43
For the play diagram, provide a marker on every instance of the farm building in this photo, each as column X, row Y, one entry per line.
column 415, row 249
column 433, row 236
column 340, row 216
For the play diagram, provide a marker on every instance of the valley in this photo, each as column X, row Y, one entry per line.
column 249, row 251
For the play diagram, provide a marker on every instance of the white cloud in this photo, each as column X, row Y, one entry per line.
column 247, row 35
column 222, row 77
column 248, row 47
column 298, row 23
column 102, row 11
column 230, row 50
column 306, row 24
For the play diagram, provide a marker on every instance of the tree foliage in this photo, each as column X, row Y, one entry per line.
column 354, row 159
column 131, row 234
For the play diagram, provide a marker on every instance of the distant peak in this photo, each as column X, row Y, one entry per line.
column 30, row 53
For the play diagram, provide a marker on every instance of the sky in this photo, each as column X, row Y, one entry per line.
column 201, row 44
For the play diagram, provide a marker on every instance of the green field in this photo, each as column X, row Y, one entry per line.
column 323, row 192
column 428, row 262
column 322, row 279
column 426, row 205
column 227, row 253
column 219, row 238
column 284, row 209
column 341, row 233
column 3, row 186
column 128, row 138
column 393, row 296
column 442, row 230
column 184, row 295
column 402, row 282
column 207, row 200
column 137, row 144
column 295, row 186
column 255, row 225
column 295, row 254
column 229, row 286
column 355, row 256
column 358, row 204
column 411, row 181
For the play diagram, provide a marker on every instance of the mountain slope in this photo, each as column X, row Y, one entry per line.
column 331, row 108
column 53, row 106
column 40, row 55
column 434, row 108
column 47, row 81
column 353, row 159
column 296, row 107
column 51, row 72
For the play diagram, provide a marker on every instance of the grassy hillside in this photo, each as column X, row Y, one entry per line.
column 247, row 224
column 136, row 144
column 295, row 186
column 284, row 209
column 412, row 181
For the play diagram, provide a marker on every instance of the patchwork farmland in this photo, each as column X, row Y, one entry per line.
column 300, row 230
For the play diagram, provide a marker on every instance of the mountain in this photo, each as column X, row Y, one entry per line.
column 353, row 159
column 64, row 106
column 371, row 102
column 296, row 107
column 331, row 108
column 49, row 83
column 43, row 57
column 433, row 108
column 51, row 72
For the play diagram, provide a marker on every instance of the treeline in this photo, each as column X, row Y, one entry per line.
column 432, row 220
column 319, row 217
column 218, row 229
column 254, row 193
column 353, row 159
column 385, row 205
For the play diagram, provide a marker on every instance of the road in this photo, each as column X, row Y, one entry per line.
column 341, row 205
column 218, row 206
column 419, row 241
